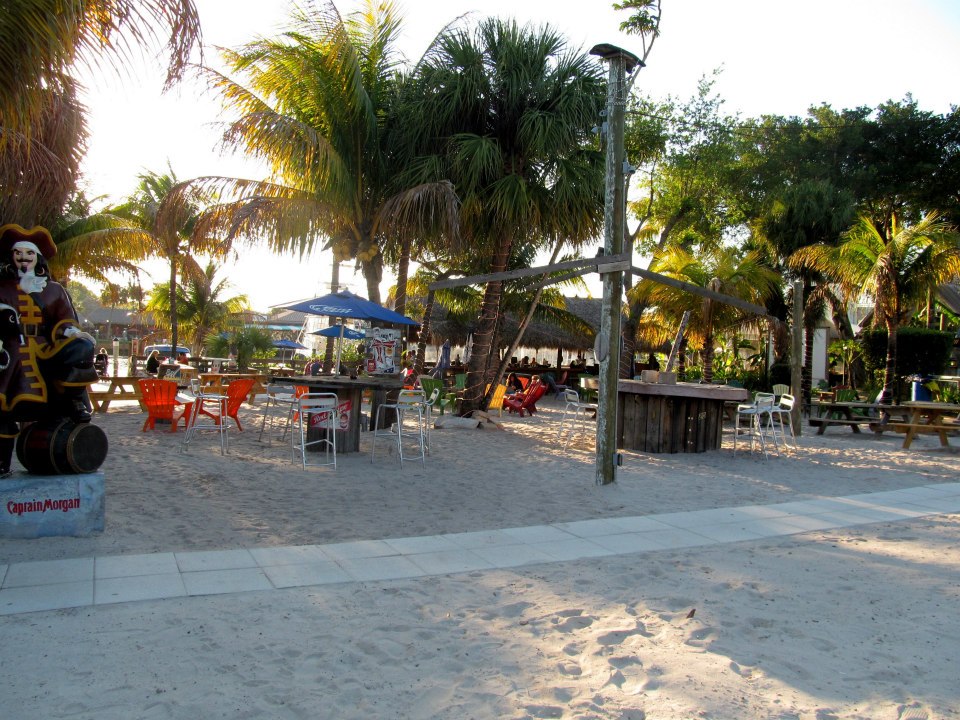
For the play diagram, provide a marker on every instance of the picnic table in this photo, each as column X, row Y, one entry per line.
column 120, row 387
column 928, row 417
column 852, row 414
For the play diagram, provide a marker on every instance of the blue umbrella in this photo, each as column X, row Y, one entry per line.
column 288, row 345
column 345, row 304
column 334, row 332
column 165, row 349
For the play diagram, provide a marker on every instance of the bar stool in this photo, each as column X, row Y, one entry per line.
column 408, row 408
column 429, row 404
column 759, row 417
column 283, row 397
column 319, row 413
column 575, row 411
column 209, row 413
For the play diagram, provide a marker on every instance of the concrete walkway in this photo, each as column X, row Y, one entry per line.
column 80, row 582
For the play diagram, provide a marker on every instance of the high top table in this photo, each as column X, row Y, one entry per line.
column 350, row 394
column 662, row 418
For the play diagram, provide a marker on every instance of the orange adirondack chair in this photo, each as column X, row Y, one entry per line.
column 160, row 400
column 527, row 400
column 236, row 393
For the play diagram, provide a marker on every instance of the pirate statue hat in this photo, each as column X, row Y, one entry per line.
column 38, row 236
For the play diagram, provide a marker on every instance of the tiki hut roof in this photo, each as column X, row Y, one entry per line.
column 540, row 333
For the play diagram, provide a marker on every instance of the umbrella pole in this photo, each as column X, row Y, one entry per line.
column 336, row 366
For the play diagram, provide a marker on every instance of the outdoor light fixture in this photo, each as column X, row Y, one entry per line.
column 606, row 51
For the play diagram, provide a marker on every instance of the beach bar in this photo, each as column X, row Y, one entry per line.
column 672, row 418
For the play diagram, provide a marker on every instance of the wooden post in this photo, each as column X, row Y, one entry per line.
column 675, row 350
column 620, row 63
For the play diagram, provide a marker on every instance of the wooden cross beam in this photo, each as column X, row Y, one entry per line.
column 597, row 264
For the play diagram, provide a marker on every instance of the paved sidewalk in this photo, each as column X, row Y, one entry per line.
column 57, row 584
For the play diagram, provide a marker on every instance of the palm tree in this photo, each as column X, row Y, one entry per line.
column 505, row 113
column 318, row 105
column 154, row 222
column 41, row 39
column 201, row 309
column 721, row 270
column 897, row 268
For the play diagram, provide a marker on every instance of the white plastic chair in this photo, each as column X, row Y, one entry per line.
column 318, row 415
column 408, row 408
column 575, row 412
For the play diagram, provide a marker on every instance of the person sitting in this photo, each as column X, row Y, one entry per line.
column 513, row 384
column 153, row 363
column 525, row 363
column 550, row 381
column 101, row 361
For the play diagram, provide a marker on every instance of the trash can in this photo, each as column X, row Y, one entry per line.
column 918, row 393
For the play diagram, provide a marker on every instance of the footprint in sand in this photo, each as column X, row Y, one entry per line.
column 575, row 623
column 746, row 672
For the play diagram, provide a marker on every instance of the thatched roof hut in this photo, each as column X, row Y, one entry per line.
column 577, row 335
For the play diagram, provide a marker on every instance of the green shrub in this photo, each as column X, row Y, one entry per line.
column 920, row 351
column 780, row 374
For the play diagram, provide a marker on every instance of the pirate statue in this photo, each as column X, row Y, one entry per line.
column 46, row 361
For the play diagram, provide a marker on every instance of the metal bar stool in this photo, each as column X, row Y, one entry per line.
column 280, row 396
column 575, row 412
column 318, row 419
column 209, row 413
column 409, row 410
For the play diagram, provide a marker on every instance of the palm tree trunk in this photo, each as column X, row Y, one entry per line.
column 373, row 274
column 424, row 333
column 890, row 370
column 403, row 268
column 174, row 328
column 708, row 358
column 328, row 349
column 484, row 334
column 528, row 318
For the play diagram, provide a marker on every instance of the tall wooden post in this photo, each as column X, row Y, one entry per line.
column 620, row 63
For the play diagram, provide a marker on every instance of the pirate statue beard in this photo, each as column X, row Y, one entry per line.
column 29, row 281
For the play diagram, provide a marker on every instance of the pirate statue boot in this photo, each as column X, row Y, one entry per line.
column 8, row 439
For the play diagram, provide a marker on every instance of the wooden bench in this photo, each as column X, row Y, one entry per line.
column 118, row 388
column 913, row 429
column 853, row 423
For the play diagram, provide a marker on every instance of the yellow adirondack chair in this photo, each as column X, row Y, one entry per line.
column 496, row 402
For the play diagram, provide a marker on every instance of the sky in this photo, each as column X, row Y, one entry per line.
column 775, row 57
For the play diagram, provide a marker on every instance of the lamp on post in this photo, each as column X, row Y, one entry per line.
column 621, row 63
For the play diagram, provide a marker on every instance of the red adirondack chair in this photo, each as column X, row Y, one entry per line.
column 527, row 400
column 160, row 399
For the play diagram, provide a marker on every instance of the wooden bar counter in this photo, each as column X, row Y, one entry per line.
column 350, row 394
column 661, row 418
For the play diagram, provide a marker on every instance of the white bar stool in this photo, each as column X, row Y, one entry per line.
column 209, row 413
column 316, row 413
column 408, row 408
column 575, row 412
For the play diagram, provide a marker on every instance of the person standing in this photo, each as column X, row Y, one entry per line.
column 444, row 362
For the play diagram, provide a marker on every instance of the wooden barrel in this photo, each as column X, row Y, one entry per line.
column 61, row 447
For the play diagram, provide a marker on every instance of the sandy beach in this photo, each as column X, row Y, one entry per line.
column 855, row 622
